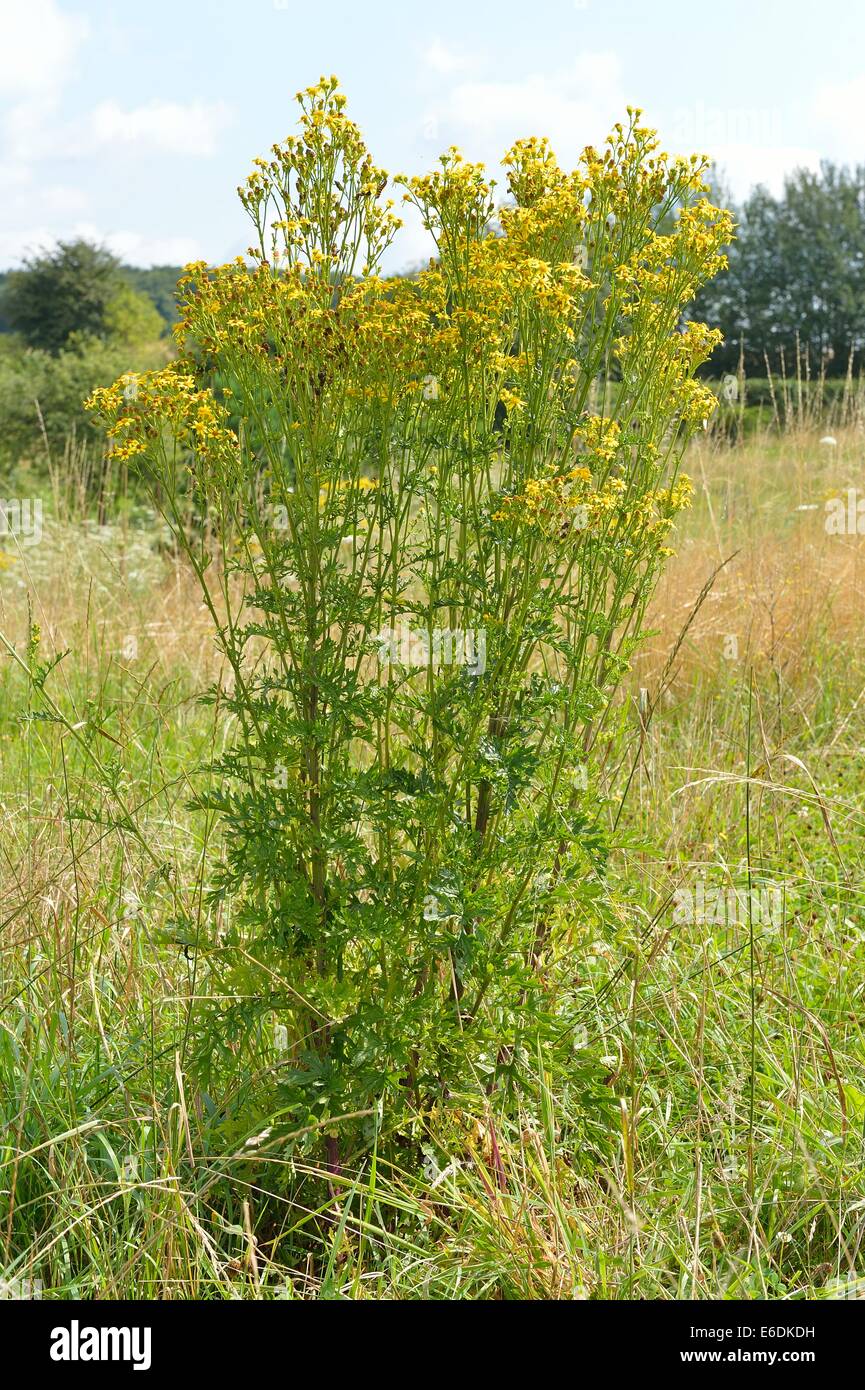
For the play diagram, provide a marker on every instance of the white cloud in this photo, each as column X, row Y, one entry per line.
column 15, row 246
column 578, row 105
column 40, row 43
column 169, row 126
column 413, row 245
column 38, row 51
column 839, row 107
column 39, row 46
column 34, row 137
column 136, row 248
column 742, row 167
column 58, row 200
column 439, row 58
column 13, row 176
column 573, row 107
column 133, row 248
column 34, row 212
column 32, row 132
column 749, row 145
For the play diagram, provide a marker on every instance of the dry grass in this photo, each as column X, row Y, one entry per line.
column 791, row 591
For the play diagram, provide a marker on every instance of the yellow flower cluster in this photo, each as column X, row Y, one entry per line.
column 550, row 210
column 562, row 504
column 554, row 504
column 519, row 313
column 455, row 200
column 599, row 436
column 669, row 268
column 346, row 485
column 137, row 408
column 653, row 515
column 317, row 199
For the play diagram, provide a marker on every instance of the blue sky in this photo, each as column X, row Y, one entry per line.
column 133, row 124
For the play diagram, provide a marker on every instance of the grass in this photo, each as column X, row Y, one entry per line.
column 723, row 1153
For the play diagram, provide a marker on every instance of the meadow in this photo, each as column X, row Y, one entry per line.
column 429, row 729
column 708, row 1139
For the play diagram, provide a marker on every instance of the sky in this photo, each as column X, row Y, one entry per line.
column 132, row 124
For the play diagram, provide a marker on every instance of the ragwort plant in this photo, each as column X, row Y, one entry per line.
column 436, row 509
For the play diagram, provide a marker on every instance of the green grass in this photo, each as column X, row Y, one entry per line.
column 722, row 1153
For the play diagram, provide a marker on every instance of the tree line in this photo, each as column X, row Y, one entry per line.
column 796, row 278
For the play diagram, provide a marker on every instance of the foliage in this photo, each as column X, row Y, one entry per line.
column 79, row 325
column 410, row 837
column 41, row 392
column 77, row 289
column 122, row 1177
column 131, row 319
column 796, row 277
column 61, row 292
column 159, row 284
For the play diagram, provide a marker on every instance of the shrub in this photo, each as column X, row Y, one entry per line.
column 444, row 525
column 132, row 319
column 41, row 393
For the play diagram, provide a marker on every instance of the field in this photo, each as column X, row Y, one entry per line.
column 718, row 1149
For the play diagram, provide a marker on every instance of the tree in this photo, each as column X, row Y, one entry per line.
column 132, row 319
column 796, row 280
column 67, row 290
